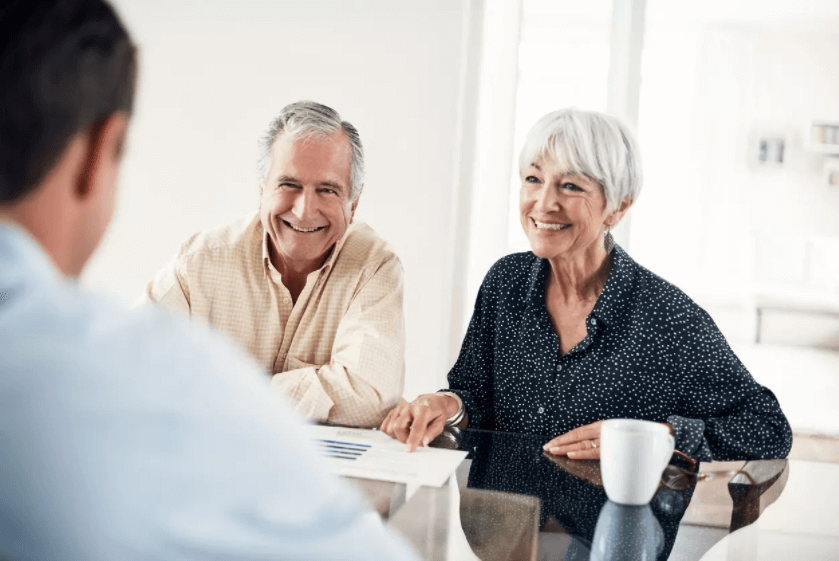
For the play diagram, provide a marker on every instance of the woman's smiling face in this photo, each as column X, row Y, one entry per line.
column 562, row 213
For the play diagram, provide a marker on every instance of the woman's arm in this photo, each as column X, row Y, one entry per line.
column 726, row 414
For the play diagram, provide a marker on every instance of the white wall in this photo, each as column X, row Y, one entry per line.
column 710, row 219
column 214, row 73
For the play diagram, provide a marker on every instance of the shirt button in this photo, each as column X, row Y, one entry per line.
column 286, row 300
column 541, row 410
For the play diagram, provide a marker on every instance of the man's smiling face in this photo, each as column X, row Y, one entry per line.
column 305, row 205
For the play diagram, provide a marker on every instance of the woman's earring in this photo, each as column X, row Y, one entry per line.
column 608, row 240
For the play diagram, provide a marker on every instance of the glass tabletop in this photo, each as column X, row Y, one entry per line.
column 510, row 500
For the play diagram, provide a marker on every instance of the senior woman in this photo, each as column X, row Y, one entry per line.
column 575, row 331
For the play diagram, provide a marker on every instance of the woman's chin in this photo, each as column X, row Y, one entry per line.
column 546, row 251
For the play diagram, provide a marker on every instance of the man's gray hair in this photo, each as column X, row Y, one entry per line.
column 591, row 144
column 307, row 118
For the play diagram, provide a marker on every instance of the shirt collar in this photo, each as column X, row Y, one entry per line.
column 613, row 300
column 18, row 246
column 270, row 270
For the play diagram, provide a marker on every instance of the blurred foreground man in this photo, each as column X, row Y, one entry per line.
column 314, row 298
column 126, row 435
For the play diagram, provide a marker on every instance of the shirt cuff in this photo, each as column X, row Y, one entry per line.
column 690, row 437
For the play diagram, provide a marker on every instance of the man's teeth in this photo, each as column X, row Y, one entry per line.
column 295, row 228
column 547, row 226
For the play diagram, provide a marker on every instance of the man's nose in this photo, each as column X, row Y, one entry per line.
column 304, row 205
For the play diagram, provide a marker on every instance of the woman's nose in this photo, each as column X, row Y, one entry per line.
column 547, row 199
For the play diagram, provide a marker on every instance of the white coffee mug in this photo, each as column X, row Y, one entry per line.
column 633, row 455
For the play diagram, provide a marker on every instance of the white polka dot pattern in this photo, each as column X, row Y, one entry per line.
column 650, row 353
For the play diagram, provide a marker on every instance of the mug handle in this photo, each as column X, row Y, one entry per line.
column 670, row 449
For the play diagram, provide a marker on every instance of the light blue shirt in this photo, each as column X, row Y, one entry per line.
column 131, row 435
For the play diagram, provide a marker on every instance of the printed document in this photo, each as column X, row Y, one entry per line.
column 371, row 454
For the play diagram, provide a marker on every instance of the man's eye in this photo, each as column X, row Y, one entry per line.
column 289, row 186
column 328, row 191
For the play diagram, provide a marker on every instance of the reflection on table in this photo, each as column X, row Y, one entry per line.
column 512, row 501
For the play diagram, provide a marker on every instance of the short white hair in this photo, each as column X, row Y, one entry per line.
column 591, row 144
column 307, row 118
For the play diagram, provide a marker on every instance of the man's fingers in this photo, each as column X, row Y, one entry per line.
column 385, row 426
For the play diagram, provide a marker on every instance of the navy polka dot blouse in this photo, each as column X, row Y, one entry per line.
column 650, row 353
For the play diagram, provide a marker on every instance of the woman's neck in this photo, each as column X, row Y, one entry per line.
column 580, row 277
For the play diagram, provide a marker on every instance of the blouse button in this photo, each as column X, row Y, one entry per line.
column 286, row 300
column 559, row 368
column 593, row 321
column 541, row 410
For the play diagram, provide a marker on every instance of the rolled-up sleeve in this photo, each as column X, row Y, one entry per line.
column 168, row 287
column 365, row 376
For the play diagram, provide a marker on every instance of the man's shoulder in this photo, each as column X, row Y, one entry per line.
column 244, row 233
column 363, row 248
column 86, row 339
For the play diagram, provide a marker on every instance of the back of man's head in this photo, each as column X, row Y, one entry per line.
column 65, row 67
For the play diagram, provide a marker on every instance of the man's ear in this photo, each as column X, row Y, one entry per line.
column 352, row 210
column 617, row 215
column 105, row 144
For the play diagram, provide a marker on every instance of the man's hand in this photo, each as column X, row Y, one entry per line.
column 421, row 421
column 582, row 443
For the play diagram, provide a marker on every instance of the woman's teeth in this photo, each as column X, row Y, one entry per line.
column 547, row 226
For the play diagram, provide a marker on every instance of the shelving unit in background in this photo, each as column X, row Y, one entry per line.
column 823, row 138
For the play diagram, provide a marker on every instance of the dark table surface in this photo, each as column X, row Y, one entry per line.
column 509, row 500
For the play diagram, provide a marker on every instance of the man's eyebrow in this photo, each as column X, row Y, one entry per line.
column 333, row 185
column 286, row 179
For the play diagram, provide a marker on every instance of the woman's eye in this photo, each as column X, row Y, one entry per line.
column 531, row 179
column 571, row 186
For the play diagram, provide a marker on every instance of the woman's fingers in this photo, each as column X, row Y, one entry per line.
column 416, row 423
column 590, row 454
column 580, row 443
column 419, row 427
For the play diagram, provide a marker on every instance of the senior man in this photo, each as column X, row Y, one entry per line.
column 316, row 301
column 126, row 435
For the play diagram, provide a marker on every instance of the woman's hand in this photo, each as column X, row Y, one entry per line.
column 582, row 443
column 421, row 421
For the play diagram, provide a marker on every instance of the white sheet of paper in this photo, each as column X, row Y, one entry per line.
column 371, row 454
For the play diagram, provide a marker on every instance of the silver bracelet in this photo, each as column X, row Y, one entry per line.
column 457, row 418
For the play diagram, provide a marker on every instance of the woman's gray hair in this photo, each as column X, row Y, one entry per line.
column 307, row 118
column 591, row 144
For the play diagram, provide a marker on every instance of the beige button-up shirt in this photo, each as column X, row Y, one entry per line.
column 338, row 353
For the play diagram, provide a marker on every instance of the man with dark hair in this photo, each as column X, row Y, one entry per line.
column 126, row 435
